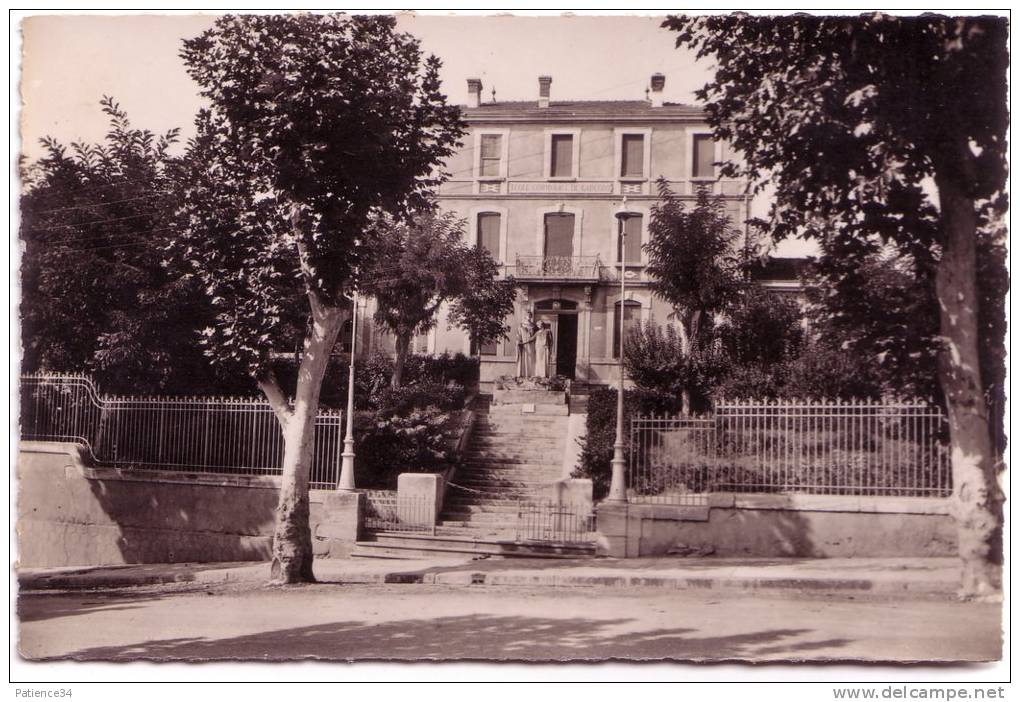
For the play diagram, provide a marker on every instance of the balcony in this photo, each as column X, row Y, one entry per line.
column 558, row 268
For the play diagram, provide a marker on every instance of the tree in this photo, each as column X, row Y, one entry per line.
column 97, row 296
column 901, row 343
column 858, row 122
column 693, row 263
column 315, row 124
column 425, row 263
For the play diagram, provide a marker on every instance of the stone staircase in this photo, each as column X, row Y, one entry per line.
column 511, row 456
column 515, row 453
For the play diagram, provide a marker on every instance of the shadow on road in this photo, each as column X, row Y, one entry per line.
column 475, row 637
column 43, row 605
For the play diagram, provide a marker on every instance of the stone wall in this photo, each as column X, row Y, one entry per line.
column 771, row 526
column 71, row 514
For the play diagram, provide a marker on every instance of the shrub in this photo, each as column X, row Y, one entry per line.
column 387, row 446
column 763, row 330
column 597, row 445
column 821, row 371
column 657, row 362
column 407, row 398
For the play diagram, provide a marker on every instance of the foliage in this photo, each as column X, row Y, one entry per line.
column 762, row 329
column 316, row 122
column 389, row 444
column 822, row 371
column 372, row 377
column 901, row 342
column 597, row 444
column 692, row 259
column 853, row 119
column 96, row 295
column 420, row 265
column 317, row 127
column 486, row 301
column 407, row 398
column 657, row 360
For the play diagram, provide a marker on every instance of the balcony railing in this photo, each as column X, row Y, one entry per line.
column 558, row 268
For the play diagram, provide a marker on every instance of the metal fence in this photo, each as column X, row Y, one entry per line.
column 826, row 447
column 554, row 522
column 226, row 435
column 386, row 510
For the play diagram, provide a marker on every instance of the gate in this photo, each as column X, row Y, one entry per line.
column 554, row 522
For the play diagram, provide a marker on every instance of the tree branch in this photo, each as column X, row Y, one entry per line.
column 270, row 387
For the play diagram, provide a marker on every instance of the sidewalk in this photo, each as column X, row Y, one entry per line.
column 917, row 577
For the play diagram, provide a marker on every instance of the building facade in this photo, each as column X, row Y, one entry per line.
column 540, row 184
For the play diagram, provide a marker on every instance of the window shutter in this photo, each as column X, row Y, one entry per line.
column 631, row 315
column 633, row 157
column 559, row 235
column 704, row 156
column 492, row 154
column 488, row 233
column 632, row 227
column 562, row 165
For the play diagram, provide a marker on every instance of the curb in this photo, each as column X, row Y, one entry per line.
column 836, row 585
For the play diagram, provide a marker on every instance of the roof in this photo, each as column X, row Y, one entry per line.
column 776, row 268
column 580, row 109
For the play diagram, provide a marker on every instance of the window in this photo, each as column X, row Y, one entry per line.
column 486, row 349
column 488, row 233
column 559, row 235
column 632, row 228
column 632, row 156
column 561, row 164
column 631, row 315
column 490, row 164
column 704, row 156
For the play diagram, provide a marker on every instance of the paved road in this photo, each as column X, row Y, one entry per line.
column 490, row 622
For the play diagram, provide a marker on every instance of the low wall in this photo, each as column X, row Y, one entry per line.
column 770, row 526
column 70, row 514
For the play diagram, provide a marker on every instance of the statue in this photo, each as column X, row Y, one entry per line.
column 526, row 347
column 543, row 346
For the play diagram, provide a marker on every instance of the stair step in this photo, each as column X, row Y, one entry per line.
column 497, row 548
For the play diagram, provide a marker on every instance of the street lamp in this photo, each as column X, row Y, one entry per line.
column 617, row 488
column 347, row 464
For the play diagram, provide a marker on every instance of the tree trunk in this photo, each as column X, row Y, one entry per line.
column 292, row 539
column 974, row 481
column 402, row 346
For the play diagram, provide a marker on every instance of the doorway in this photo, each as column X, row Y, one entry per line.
column 562, row 318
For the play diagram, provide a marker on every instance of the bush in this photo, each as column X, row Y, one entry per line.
column 403, row 400
column 387, row 446
column 657, row 363
column 824, row 372
column 764, row 330
column 597, row 445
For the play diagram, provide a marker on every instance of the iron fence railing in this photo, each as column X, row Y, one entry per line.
column 826, row 447
column 225, row 435
column 386, row 510
column 558, row 267
column 554, row 522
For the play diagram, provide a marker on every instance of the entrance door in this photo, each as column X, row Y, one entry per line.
column 562, row 318
column 566, row 345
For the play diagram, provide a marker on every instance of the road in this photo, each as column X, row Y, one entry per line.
column 487, row 622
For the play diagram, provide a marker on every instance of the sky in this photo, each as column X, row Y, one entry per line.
column 69, row 62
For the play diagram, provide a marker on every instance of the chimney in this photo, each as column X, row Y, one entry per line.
column 543, row 90
column 658, row 83
column 474, row 92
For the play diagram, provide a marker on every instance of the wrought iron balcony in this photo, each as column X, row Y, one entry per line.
column 558, row 268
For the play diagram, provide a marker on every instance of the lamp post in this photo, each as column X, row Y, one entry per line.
column 617, row 488
column 347, row 464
